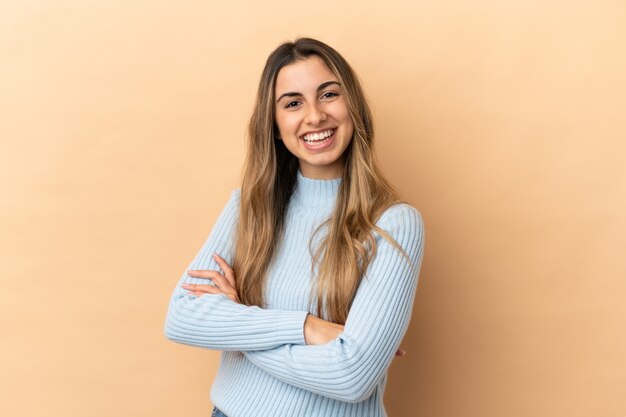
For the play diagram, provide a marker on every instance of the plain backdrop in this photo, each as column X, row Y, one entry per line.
column 122, row 127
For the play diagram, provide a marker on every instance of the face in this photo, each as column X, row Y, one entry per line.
column 313, row 118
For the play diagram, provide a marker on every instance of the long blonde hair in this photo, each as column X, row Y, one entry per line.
column 269, row 178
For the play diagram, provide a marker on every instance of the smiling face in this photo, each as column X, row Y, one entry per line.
column 312, row 117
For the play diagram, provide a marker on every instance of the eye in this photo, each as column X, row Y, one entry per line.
column 291, row 104
column 329, row 94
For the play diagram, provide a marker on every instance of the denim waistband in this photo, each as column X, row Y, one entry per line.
column 217, row 413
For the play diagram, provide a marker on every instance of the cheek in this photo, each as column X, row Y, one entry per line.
column 285, row 124
column 347, row 120
column 351, row 133
column 341, row 112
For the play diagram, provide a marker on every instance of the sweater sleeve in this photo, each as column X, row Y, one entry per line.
column 349, row 367
column 214, row 321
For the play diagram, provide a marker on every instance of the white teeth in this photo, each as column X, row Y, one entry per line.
column 318, row 136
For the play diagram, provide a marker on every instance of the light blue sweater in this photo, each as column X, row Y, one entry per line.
column 278, row 375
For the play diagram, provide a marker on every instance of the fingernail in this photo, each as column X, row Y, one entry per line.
column 215, row 255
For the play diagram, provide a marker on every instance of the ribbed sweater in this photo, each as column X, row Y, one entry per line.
column 279, row 375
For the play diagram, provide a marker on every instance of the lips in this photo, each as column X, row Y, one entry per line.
column 316, row 145
column 318, row 136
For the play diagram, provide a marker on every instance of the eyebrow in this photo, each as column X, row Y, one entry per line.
column 321, row 87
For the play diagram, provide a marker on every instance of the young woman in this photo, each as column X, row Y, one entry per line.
column 307, row 280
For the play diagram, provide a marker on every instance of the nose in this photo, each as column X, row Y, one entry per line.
column 315, row 115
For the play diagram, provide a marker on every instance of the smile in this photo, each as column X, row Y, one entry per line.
column 318, row 136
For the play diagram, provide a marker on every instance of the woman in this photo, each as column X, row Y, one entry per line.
column 312, row 290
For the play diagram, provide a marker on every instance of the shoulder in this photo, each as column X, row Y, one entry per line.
column 231, row 208
column 404, row 224
column 234, row 198
column 401, row 215
column 235, row 194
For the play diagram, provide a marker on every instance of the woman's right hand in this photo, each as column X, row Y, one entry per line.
column 318, row 331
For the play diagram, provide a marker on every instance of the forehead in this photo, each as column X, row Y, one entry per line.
column 303, row 75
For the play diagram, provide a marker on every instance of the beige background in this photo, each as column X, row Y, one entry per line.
column 503, row 122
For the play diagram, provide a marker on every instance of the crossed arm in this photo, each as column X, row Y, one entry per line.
column 341, row 362
column 214, row 320
column 317, row 331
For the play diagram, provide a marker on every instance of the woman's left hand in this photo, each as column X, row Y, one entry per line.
column 225, row 284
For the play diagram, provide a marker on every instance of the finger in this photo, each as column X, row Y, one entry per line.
column 200, row 293
column 234, row 297
column 228, row 271
column 202, row 273
column 222, row 283
column 202, row 288
column 214, row 276
column 217, row 279
column 213, row 290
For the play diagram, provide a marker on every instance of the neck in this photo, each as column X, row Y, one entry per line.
column 314, row 192
column 327, row 172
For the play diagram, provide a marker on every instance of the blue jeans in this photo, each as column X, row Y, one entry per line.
column 217, row 413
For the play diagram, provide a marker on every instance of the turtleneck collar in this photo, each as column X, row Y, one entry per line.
column 312, row 192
